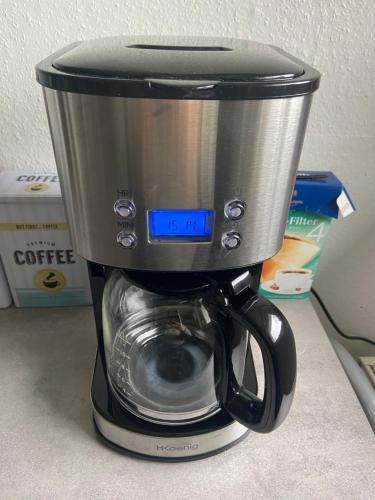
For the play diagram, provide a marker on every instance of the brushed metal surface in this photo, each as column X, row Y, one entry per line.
column 170, row 154
column 161, row 446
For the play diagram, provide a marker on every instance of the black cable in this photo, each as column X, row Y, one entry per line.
column 333, row 322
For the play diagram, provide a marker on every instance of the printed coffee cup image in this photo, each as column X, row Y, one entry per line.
column 36, row 187
column 294, row 254
column 49, row 280
column 292, row 279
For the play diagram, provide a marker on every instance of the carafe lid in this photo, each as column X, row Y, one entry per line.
column 177, row 68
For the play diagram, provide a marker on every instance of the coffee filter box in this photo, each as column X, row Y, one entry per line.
column 318, row 197
column 41, row 267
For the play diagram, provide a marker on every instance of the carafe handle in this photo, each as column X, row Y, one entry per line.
column 275, row 338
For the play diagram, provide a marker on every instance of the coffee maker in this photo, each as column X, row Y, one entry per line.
column 177, row 157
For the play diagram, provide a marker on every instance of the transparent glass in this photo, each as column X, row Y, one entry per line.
column 164, row 355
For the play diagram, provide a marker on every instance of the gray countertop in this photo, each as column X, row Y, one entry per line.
column 48, row 448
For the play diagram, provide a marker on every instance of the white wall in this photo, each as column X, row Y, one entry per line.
column 336, row 36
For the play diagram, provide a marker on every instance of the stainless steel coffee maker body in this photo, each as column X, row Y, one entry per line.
column 121, row 158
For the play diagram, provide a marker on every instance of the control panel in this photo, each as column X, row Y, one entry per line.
column 234, row 210
column 179, row 225
column 125, row 211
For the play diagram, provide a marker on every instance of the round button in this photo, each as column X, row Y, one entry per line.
column 235, row 209
column 231, row 240
column 126, row 240
column 124, row 209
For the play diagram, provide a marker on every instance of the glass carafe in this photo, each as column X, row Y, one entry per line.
column 164, row 354
column 180, row 358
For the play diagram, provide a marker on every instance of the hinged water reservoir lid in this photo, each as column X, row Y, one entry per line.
column 177, row 67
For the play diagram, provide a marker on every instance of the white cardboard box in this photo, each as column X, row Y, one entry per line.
column 5, row 296
column 39, row 261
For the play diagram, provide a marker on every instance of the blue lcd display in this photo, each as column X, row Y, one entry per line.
column 185, row 225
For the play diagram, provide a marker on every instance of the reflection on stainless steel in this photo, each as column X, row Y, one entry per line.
column 170, row 154
column 162, row 446
column 241, row 282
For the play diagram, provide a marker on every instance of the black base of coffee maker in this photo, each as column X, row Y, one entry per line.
column 124, row 432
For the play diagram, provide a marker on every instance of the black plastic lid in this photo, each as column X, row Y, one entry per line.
column 177, row 68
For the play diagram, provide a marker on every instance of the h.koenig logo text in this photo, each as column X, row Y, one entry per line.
column 186, row 447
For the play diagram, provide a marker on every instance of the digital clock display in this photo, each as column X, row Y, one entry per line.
column 182, row 225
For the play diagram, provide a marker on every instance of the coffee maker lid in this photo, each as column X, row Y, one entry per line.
column 177, row 68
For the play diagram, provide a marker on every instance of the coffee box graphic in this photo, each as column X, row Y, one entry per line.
column 318, row 197
column 40, row 264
